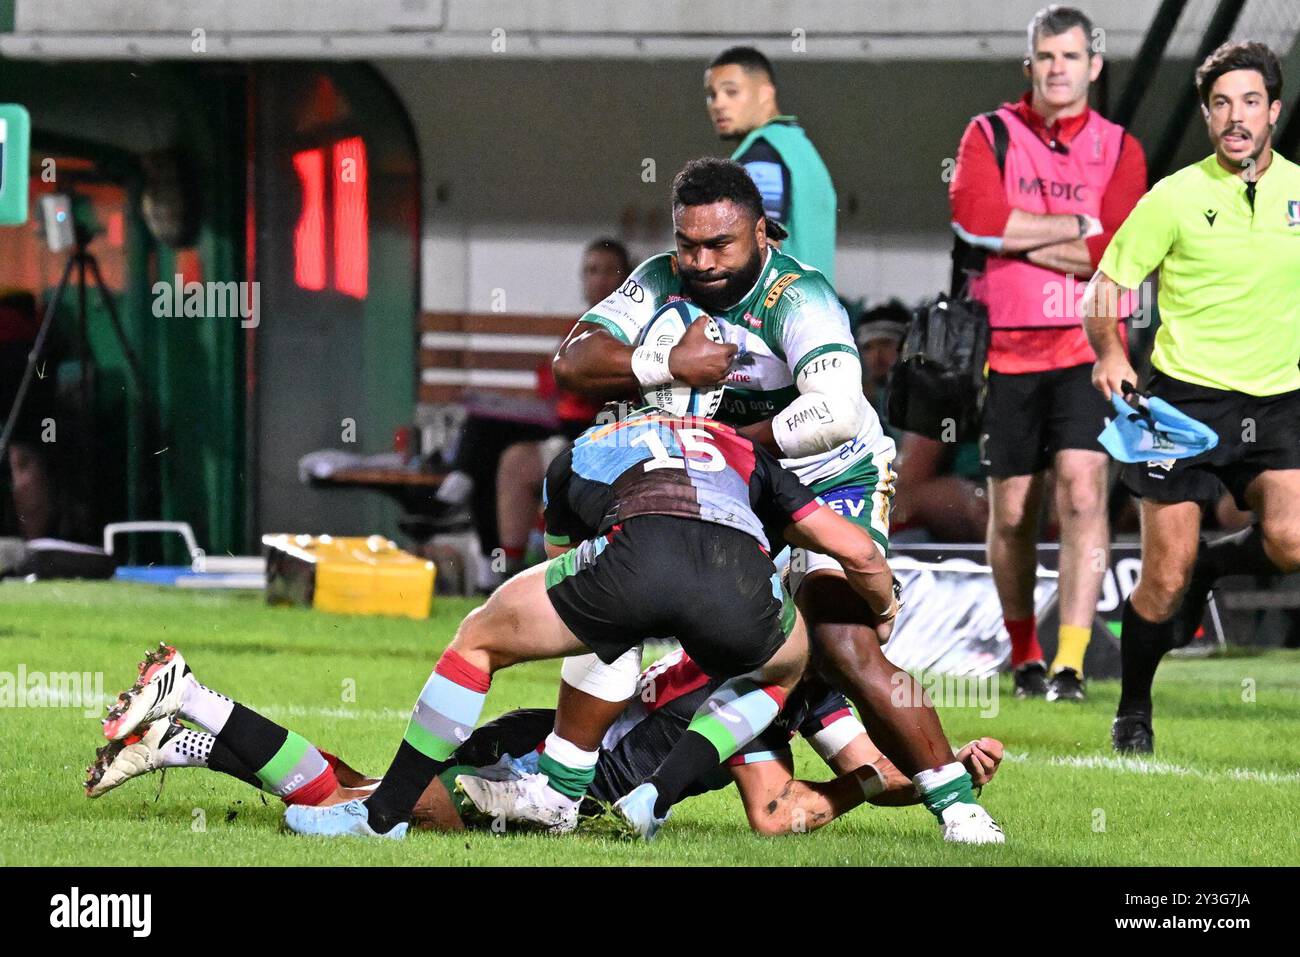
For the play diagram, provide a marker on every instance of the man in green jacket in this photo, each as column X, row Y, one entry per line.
column 740, row 93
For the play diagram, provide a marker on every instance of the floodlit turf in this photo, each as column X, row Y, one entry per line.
column 1224, row 788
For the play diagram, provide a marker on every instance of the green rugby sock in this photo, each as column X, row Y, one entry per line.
column 568, row 768
column 943, row 787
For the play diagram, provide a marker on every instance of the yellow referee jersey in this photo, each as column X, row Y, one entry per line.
column 1229, row 274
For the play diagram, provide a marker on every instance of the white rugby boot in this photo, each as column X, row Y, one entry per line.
column 119, row 761
column 970, row 824
column 157, row 694
column 526, row 800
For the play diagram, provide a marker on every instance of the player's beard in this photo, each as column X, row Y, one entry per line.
column 1261, row 143
column 727, row 294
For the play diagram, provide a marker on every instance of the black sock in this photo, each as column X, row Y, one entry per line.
column 1241, row 553
column 692, row 757
column 1141, row 645
column 222, row 759
column 251, row 738
column 403, row 783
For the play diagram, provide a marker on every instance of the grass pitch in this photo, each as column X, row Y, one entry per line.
column 1224, row 788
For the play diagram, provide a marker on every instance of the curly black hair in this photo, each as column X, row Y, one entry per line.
column 712, row 180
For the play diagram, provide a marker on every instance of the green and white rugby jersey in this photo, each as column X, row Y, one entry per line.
column 790, row 318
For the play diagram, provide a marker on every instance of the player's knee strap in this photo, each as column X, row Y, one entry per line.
column 614, row 682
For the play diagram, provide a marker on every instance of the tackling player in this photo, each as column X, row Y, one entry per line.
column 672, row 516
column 795, row 387
column 669, row 693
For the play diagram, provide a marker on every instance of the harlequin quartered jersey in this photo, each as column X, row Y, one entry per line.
column 651, row 463
column 790, row 318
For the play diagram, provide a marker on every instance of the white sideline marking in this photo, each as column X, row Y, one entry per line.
column 276, row 712
column 1156, row 768
column 1090, row 762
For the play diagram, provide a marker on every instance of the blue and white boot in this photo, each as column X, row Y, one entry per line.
column 338, row 820
column 637, row 811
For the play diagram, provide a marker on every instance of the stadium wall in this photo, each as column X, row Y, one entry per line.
column 525, row 161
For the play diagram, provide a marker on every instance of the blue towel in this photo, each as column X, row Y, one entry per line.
column 1154, row 430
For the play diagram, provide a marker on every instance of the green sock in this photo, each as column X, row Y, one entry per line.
column 942, row 787
column 568, row 768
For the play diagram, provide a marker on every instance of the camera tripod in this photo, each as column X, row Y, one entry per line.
column 86, row 266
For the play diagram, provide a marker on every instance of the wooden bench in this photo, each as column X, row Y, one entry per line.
column 478, row 363
column 491, row 353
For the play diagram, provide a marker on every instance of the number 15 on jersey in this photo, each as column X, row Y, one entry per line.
column 696, row 443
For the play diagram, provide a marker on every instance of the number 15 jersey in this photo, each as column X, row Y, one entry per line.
column 652, row 463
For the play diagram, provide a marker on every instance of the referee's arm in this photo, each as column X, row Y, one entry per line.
column 1101, row 320
column 1137, row 249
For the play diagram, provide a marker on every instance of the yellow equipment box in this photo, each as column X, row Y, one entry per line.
column 354, row 576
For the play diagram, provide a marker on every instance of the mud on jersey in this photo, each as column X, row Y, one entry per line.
column 786, row 324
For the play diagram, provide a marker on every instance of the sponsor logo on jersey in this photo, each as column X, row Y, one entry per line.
column 1293, row 212
column 779, row 287
column 753, row 321
column 633, row 290
column 745, row 405
column 850, row 501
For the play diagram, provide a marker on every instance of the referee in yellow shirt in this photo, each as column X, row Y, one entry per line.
column 1225, row 235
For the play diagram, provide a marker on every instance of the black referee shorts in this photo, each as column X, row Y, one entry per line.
column 1256, row 434
column 1030, row 416
column 709, row 586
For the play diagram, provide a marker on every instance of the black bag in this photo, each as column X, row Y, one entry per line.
column 938, row 383
column 937, row 386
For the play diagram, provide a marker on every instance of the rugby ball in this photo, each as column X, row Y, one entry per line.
column 665, row 328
